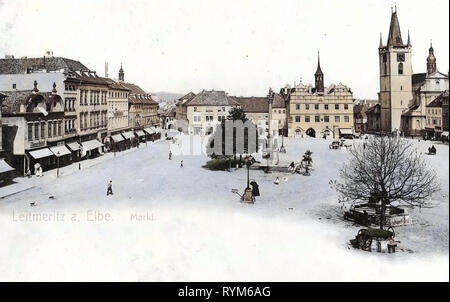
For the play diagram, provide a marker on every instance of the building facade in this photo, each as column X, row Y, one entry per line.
column 374, row 119
column 181, row 108
column 207, row 110
column 320, row 111
column 426, row 88
column 257, row 110
column 117, row 108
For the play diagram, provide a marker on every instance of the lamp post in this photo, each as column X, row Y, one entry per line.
column 248, row 164
column 57, row 163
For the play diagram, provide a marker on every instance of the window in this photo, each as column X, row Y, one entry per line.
column 42, row 130
column 316, row 106
column 336, row 106
column 346, row 118
column 316, row 118
column 400, row 68
column 30, row 132
column 307, row 119
column 326, row 118
column 346, row 106
column 195, row 109
column 326, row 106
column 337, row 119
column 36, row 131
column 297, row 119
column 14, row 86
column 307, row 106
column 297, row 106
column 50, row 125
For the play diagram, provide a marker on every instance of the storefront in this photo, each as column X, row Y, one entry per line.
column 129, row 138
column 91, row 148
column 7, row 173
column 62, row 154
column 117, row 143
column 75, row 150
column 345, row 133
column 43, row 158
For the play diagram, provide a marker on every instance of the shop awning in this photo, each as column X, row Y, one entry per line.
column 4, row 167
column 149, row 130
column 74, row 146
column 117, row 138
column 41, row 153
column 60, row 150
column 91, row 145
column 346, row 131
column 444, row 133
column 128, row 135
column 140, row 133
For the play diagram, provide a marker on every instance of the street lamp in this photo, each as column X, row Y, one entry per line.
column 248, row 164
column 57, row 163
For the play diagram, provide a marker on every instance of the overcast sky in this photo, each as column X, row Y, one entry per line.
column 243, row 47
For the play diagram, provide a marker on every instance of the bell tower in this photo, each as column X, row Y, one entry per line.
column 395, row 77
column 431, row 60
column 121, row 74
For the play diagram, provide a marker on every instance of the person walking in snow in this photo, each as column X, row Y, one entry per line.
column 109, row 191
column 170, row 155
column 181, row 165
column 277, row 181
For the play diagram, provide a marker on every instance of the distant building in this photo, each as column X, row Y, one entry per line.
column 435, row 124
column 320, row 111
column 360, row 108
column 168, row 117
column 2, row 96
column 374, row 119
column 181, row 111
column 257, row 110
column 426, row 88
column 142, row 109
column 445, row 118
column 279, row 115
column 207, row 110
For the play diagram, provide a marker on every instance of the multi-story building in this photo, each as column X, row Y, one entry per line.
column 434, row 121
column 34, row 131
column 360, row 119
column 207, row 110
column 6, row 171
column 320, row 111
column 445, row 118
column 257, row 110
column 142, row 109
column 117, row 108
column 181, row 111
column 2, row 96
column 278, row 117
column 426, row 88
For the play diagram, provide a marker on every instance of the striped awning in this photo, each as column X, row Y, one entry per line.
column 128, row 135
column 74, row 146
column 4, row 167
column 345, row 131
column 60, row 150
column 140, row 133
column 149, row 130
column 91, row 145
column 117, row 138
column 41, row 153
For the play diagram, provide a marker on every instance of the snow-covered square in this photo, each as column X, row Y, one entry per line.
column 167, row 223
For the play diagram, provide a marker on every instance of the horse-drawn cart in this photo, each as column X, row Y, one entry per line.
column 363, row 240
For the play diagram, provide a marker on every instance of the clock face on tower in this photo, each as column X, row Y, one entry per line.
column 401, row 57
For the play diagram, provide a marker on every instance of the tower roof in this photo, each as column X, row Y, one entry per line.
column 395, row 35
column 319, row 70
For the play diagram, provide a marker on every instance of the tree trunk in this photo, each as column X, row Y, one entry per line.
column 383, row 213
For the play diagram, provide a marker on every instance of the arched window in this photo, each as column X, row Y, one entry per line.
column 400, row 68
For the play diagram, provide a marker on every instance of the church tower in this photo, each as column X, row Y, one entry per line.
column 431, row 61
column 121, row 74
column 395, row 77
column 319, row 76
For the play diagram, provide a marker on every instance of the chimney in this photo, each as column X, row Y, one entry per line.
column 106, row 69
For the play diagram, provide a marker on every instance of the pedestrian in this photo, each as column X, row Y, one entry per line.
column 255, row 189
column 170, row 155
column 109, row 191
column 181, row 165
column 277, row 181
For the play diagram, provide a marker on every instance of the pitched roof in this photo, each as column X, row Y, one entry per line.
column 395, row 35
column 24, row 65
column 141, row 99
column 252, row 104
column 437, row 102
column 278, row 101
column 135, row 89
column 185, row 98
column 211, row 98
column 374, row 110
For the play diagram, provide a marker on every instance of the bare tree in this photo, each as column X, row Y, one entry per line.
column 388, row 170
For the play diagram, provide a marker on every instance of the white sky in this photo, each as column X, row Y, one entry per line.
column 243, row 47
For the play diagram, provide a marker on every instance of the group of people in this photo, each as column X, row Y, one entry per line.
column 37, row 171
column 170, row 158
column 432, row 150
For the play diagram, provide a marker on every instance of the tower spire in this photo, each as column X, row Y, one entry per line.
column 395, row 34
column 381, row 41
column 121, row 73
column 319, row 75
column 431, row 60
